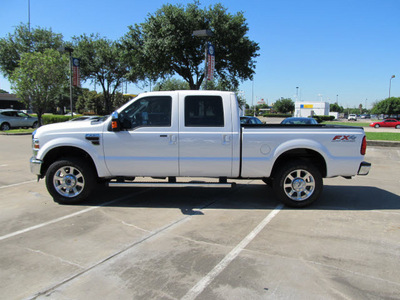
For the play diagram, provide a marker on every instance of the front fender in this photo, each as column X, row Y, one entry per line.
column 95, row 151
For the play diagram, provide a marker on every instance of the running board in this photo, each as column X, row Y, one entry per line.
column 172, row 185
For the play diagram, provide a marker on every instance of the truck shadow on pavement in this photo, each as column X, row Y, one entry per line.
column 356, row 198
column 244, row 196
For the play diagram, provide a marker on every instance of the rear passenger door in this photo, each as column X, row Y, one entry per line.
column 205, row 136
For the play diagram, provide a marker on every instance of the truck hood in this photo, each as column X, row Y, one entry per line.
column 71, row 127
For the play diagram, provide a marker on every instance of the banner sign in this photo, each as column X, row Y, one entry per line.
column 210, row 61
column 306, row 106
column 76, row 79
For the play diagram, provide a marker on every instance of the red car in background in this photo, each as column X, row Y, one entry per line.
column 386, row 123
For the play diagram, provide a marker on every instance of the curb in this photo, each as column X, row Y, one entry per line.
column 4, row 133
column 383, row 143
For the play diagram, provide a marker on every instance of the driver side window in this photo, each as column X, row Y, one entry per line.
column 149, row 111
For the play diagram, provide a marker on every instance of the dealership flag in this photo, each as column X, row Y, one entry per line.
column 76, row 80
column 210, row 61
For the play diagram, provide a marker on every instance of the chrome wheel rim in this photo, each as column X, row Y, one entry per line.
column 299, row 185
column 68, row 181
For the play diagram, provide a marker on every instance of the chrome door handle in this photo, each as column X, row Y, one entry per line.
column 226, row 138
column 172, row 139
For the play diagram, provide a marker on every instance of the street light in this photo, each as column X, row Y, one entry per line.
column 390, row 83
column 204, row 33
column 69, row 50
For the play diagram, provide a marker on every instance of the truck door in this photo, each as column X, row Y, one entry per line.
column 148, row 143
column 205, row 136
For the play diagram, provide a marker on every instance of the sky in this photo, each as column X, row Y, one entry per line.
column 324, row 50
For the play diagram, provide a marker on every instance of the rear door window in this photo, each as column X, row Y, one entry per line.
column 204, row 111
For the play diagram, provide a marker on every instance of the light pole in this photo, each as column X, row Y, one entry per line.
column 29, row 15
column 204, row 33
column 390, row 83
column 69, row 50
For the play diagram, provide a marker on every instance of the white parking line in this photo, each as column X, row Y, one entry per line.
column 205, row 281
column 15, row 233
column 16, row 184
column 46, row 223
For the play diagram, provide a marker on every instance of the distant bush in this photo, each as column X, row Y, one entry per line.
column 49, row 119
column 321, row 119
column 277, row 115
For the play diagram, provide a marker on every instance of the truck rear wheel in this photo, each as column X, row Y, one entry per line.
column 70, row 180
column 298, row 184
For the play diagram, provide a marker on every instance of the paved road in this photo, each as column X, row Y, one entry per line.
column 200, row 243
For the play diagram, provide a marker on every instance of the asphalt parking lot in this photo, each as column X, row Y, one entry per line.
column 193, row 243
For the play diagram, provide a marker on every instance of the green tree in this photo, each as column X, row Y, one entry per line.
column 164, row 45
column 388, row 106
column 23, row 40
column 95, row 103
column 224, row 85
column 39, row 79
column 284, row 105
column 120, row 99
column 101, row 61
column 82, row 104
column 3, row 91
column 336, row 108
column 171, row 84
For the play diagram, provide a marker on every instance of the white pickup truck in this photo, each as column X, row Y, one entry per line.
column 166, row 135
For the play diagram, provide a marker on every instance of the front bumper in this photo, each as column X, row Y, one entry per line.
column 36, row 166
column 364, row 168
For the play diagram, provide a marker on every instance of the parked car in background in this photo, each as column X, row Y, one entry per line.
column 352, row 117
column 10, row 118
column 250, row 120
column 299, row 121
column 386, row 123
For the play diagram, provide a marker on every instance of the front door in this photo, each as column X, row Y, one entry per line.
column 148, row 144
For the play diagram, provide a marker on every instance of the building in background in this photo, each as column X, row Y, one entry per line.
column 10, row 101
column 310, row 109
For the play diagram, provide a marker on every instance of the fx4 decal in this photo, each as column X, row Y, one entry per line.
column 344, row 138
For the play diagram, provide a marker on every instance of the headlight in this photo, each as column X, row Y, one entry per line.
column 35, row 146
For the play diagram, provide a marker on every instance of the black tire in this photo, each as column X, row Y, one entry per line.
column 297, row 183
column 397, row 126
column 377, row 126
column 5, row 126
column 267, row 181
column 35, row 124
column 70, row 180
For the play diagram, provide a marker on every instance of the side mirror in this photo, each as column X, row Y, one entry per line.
column 115, row 124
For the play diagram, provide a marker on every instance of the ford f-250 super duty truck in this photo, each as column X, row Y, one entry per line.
column 193, row 134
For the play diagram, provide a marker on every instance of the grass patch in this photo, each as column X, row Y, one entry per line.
column 383, row 136
column 356, row 124
column 19, row 131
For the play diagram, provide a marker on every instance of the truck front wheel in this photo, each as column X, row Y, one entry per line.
column 298, row 184
column 70, row 180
